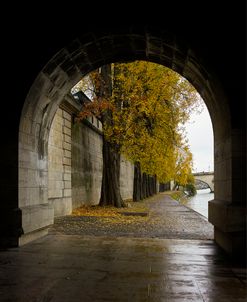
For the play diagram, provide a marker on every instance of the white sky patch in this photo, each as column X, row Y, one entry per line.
column 200, row 137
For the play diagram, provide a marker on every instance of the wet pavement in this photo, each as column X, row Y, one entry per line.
column 71, row 268
column 146, row 261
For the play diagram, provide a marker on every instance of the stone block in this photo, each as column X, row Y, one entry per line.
column 28, row 159
column 57, row 127
column 55, row 158
column 227, row 217
column 59, row 112
column 26, row 238
column 56, row 140
column 67, row 123
column 223, row 190
column 67, row 138
column 58, row 119
column 26, row 142
column 56, row 184
column 126, row 179
column 56, row 167
column 67, row 176
column 29, row 177
column 66, row 146
column 67, row 192
column 233, row 243
column 55, row 175
column 26, row 125
column 67, row 169
column 67, row 184
column 66, row 116
column 30, row 196
column 61, row 206
column 66, row 130
column 36, row 217
column 67, row 153
column 55, row 193
column 67, row 161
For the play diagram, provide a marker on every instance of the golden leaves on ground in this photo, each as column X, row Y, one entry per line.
column 111, row 214
column 86, row 210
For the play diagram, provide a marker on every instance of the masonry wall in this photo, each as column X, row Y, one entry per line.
column 75, row 164
column 59, row 164
column 126, row 179
column 86, row 165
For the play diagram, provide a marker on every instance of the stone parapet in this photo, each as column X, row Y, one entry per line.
column 229, row 222
column 227, row 217
column 35, row 220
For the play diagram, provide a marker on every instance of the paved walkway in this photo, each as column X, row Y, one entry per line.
column 166, row 219
column 73, row 268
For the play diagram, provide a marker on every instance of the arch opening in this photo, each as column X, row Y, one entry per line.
column 200, row 185
column 66, row 68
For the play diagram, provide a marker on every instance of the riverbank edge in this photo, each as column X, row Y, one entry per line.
column 182, row 198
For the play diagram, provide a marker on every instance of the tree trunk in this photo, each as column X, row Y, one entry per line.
column 150, row 185
column 176, row 186
column 144, row 185
column 155, row 184
column 137, row 182
column 110, row 186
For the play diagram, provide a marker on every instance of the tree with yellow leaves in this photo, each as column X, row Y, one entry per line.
column 142, row 107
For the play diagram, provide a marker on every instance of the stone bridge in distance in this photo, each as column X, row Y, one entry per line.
column 204, row 180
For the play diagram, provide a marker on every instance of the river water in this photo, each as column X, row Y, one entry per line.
column 199, row 202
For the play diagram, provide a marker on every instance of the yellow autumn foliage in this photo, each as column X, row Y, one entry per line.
column 148, row 105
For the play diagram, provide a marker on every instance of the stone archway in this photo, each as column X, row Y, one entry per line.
column 206, row 178
column 82, row 56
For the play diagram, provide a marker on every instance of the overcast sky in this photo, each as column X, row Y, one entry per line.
column 200, row 136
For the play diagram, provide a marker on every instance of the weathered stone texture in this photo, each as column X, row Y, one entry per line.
column 75, row 165
column 126, row 179
column 59, row 161
column 86, row 165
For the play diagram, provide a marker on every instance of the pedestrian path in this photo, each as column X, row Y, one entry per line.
column 73, row 268
column 166, row 218
column 166, row 255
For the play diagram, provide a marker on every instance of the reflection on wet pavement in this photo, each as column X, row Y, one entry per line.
column 86, row 268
